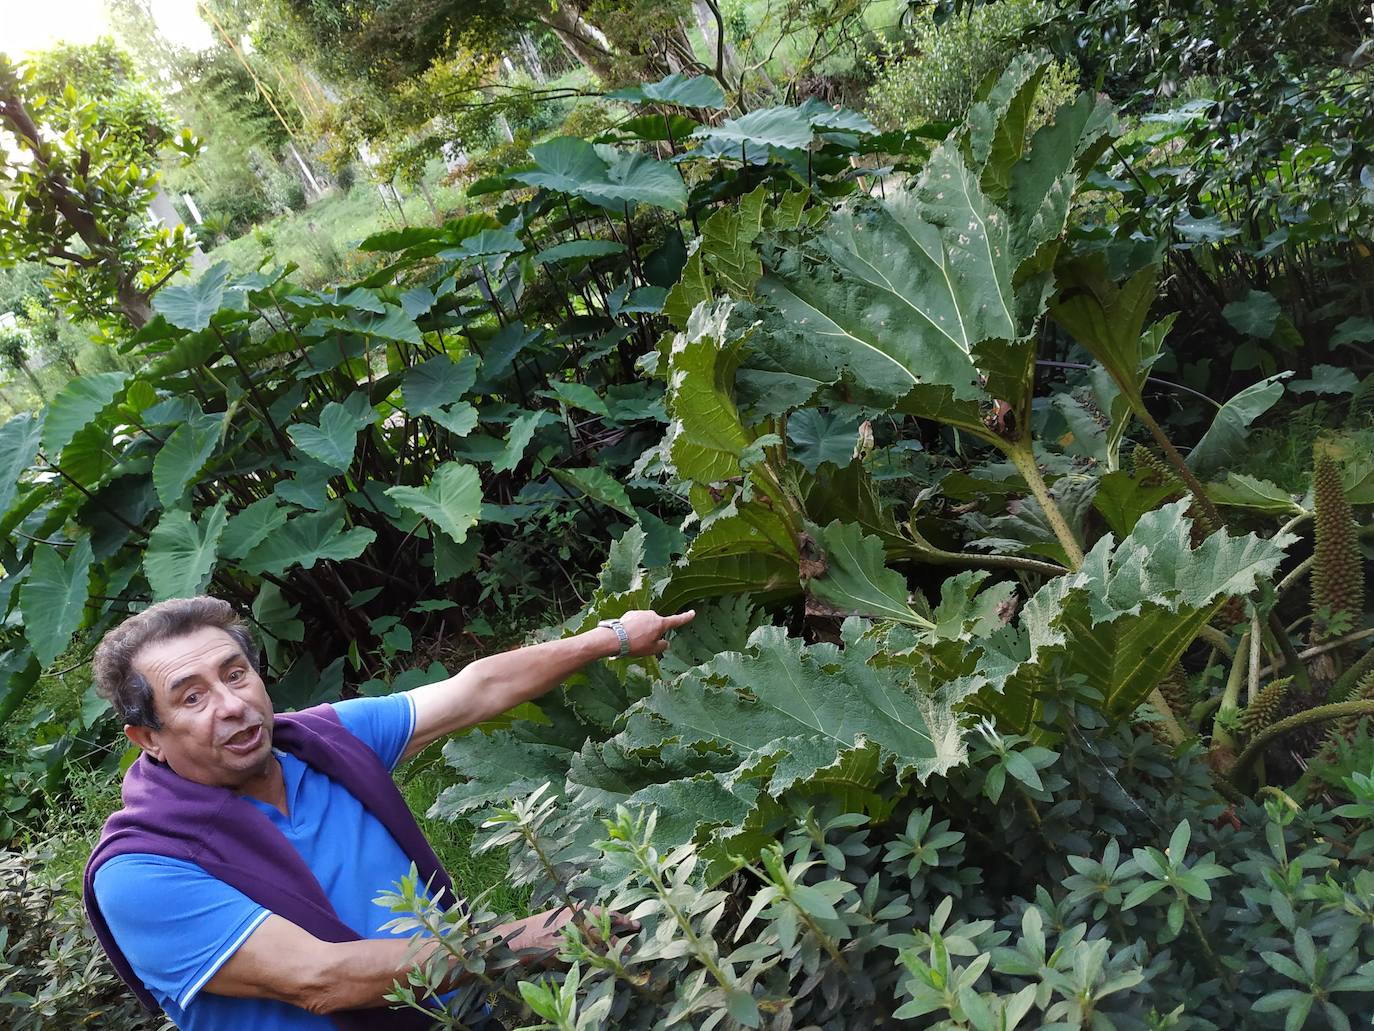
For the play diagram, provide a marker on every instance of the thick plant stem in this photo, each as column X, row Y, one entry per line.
column 1172, row 727
column 1344, row 684
column 927, row 552
column 1230, row 696
column 1181, row 467
column 1022, row 457
column 1217, row 640
column 1322, row 713
column 1292, row 661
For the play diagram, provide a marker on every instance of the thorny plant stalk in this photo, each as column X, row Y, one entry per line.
column 783, row 884
column 647, row 866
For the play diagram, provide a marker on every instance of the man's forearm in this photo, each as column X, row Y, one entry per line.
column 282, row 961
column 352, row 975
column 491, row 685
column 505, row 680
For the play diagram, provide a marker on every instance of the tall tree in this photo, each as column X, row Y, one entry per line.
column 79, row 138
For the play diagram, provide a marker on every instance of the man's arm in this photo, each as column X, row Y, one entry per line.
column 283, row 961
column 491, row 685
column 323, row 977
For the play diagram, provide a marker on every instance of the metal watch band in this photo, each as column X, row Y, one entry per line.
column 621, row 633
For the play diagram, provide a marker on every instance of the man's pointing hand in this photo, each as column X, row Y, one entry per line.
column 648, row 630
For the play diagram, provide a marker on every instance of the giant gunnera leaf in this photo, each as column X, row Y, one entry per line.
column 719, row 746
column 929, row 296
column 1120, row 623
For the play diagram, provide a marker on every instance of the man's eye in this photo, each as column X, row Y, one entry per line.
column 235, row 675
column 190, row 699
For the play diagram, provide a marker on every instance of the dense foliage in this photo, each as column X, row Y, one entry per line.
column 1016, row 463
column 1099, row 884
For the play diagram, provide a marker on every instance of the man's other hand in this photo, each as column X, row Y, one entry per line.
column 648, row 630
column 541, row 935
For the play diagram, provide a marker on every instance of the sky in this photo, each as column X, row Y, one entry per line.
column 27, row 25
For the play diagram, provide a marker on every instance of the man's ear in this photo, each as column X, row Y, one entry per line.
column 145, row 738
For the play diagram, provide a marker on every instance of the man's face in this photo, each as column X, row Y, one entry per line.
column 215, row 714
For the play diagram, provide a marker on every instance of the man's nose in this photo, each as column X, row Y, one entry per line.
column 230, row 703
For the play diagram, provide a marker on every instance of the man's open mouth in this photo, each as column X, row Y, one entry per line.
column 245, row 740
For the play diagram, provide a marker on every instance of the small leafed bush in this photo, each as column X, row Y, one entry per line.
column 1101, row 883
column 53, row 973
column 932, row 72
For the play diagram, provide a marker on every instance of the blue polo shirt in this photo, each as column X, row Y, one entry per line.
column 178, row 925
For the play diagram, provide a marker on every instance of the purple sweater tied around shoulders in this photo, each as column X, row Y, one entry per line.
column 235, row 842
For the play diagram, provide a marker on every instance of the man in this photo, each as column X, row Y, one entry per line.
column 235, row 887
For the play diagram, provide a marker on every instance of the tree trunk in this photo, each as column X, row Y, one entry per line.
column 529, row 57
column 135, row 305
column 583, row 40
column 429, row 199
column 721, row 57
column 23, row 367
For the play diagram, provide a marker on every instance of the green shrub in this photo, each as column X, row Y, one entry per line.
column 53, row 973
column 1102, row 883
column 932, row 72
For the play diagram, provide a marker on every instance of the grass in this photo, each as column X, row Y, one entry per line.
column 322, row 238
column 473, row 873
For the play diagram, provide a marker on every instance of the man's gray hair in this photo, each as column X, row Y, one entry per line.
column 127, row 689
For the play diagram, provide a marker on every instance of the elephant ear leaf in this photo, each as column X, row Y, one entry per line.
column 53, row 598
column 251, row 526
column 183, row 455
column 75, row 405
column 307, row 539
column 599, row 485
column 333, row 441
column 191, row 306
column 19, row 439
column 452, row 500
column 182, row 551
column 1225, row 438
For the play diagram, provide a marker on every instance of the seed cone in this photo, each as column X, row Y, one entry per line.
column 1338, row 567
column 1265, row 707
column 1153, row 471
column 1345, row 729
column 1174, row 688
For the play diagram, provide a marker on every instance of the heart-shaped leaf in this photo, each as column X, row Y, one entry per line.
column 679, row 89
column 599, row 485
column 578, row 249
column 250, row 527
column 308, row 539
column 518, row 439
column 333, row 441
column 183, row 456
column 19, row 439
column 53, row 598
column 181, row 552
column 75, row 405
column 822, row 437
column 577, row 395
column 190, row 306
column 452, row 500
column 438, row 382
column 786, row 127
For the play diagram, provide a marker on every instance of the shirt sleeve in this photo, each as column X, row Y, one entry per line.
column 175, row 923
column 384, row 724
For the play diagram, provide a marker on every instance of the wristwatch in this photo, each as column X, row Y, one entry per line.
column 621, row 633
